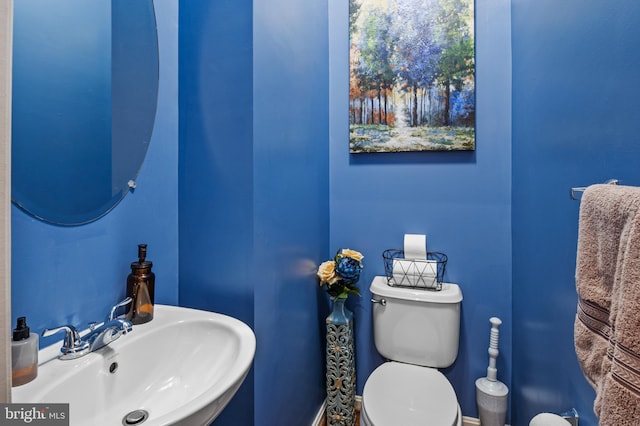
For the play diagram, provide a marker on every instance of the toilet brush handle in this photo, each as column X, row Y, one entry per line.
column 492, row 372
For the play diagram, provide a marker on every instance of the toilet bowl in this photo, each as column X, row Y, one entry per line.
column 398, row 394
column 417, row 331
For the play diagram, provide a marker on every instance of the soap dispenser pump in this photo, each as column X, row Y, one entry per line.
column 24, row 354
column 140, row 288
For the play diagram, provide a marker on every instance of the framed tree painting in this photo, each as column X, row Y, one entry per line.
column 412, row 75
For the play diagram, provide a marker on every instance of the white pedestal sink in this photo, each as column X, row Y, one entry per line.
column 182, row 368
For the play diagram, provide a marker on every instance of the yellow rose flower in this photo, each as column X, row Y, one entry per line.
column 327, row 272
column 355, row 255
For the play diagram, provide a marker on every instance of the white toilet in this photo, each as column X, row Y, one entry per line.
column 417, row 331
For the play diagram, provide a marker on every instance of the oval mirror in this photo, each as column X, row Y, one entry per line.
column 85, row 87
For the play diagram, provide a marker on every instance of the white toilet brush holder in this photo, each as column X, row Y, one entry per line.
column 492, row 403
column 491, row 394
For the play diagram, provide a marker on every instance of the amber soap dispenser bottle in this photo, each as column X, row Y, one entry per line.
column 140, row 287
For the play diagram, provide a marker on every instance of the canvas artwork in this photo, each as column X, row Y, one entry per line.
column 412, row 75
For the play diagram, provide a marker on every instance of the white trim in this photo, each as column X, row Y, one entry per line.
column 6, row 40
column 470, row 421
column 320, row 415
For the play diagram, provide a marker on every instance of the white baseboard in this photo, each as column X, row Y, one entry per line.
column 319, row 419
column 358, row 402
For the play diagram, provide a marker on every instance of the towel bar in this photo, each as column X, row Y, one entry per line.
column 580, row 189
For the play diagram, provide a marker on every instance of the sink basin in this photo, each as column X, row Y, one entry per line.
column 182, row 368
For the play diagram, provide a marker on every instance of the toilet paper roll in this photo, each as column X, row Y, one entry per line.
column 415, row 246
column 415, row 273
column 417, row 281
column 415, row 267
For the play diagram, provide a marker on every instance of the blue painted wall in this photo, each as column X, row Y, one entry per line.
column 575, row 115
column 73, row 275
column 254, row 203
column 259, row 186
column 291, row 202
column 216, row 168
column 461, row 200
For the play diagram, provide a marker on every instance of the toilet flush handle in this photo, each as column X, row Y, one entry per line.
column 383, row 302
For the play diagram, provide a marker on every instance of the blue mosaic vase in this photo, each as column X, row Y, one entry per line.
column 341, row 372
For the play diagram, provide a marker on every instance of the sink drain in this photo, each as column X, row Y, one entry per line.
column 135, row 417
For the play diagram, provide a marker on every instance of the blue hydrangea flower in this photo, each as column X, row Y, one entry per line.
column 349, row 269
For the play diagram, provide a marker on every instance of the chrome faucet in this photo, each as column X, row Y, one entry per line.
column 100, row 334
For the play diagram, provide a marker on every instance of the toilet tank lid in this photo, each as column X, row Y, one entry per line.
column 450, row 293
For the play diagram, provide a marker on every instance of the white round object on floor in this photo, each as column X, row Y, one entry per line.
column 548, row 419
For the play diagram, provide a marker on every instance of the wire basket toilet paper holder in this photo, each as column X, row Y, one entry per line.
column 424, row 274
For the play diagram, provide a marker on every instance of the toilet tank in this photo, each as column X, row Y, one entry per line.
column 416, row 326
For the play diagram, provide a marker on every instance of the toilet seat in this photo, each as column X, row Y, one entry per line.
column 398, row 394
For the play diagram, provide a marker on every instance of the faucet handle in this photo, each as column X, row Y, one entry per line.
column 124, row 302
column 73, row 346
